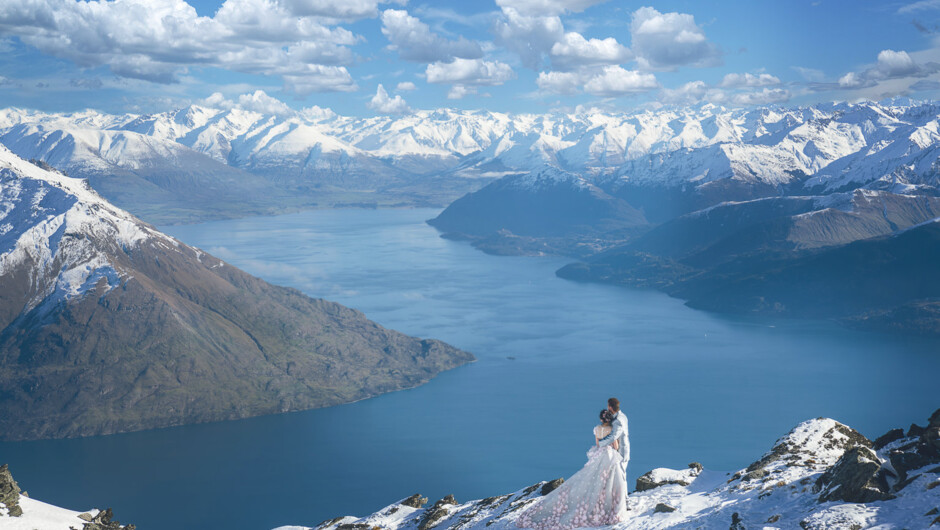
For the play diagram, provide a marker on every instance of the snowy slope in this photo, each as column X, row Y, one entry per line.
column 58, row 228
column 789, row 487
column 825, row 148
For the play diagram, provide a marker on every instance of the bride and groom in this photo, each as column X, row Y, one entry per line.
column 597, row 494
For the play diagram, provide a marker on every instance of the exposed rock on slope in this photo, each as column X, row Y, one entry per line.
column 107, row 325
column 795, row 485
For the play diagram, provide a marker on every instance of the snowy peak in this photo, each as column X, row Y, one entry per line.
column 59, row 232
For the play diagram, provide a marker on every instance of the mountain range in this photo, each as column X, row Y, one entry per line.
column 108, row 325
column 704, row 202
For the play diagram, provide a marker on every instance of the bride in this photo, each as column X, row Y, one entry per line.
column 594, row 496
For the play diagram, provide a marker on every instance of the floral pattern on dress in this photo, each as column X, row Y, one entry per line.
column 594, row 496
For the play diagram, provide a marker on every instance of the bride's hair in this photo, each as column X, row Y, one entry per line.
column 606, row 417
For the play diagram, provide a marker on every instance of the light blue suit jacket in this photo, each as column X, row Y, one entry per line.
column 618, row 431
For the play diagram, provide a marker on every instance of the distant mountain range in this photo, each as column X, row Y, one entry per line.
column 108, row 325
column 666, row 197
column 199, row 162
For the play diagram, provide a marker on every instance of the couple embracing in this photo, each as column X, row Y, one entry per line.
column 597, row 494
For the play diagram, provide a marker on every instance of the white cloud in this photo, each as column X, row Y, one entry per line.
column 469, row 72
column 749, row 80
column 405, row 86
column 567, row 83
column 415, row 41
column 547, row 7
column 763, row 97
column 610, row 81
column 923, row 5
column 669, row 40
column 574, row 51
column 382, row 103
column 615, row 81
column 531, row 37
column 459, row 91
column 851, row 80
column 346, row 9
column 157, row 40
column 688, row 94
column 896, row 64
column 258, row 101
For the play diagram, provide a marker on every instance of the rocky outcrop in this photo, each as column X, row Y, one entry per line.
column 9, row 492
column 857, row 477
column 822, row 475
column 551, row 486
column 663, row 477
column 436, row 513
column 104, row 520
column 415, row 501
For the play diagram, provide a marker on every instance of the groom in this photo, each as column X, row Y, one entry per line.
column 618, row 431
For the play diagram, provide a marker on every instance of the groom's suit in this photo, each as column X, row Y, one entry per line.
column 618, row 431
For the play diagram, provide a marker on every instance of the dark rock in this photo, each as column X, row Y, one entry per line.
column 552, row 486
column 330, row 522
column 773, row 518
column 9, row 492
column 934, row 511
column 736, row 522
column 415, row 501
column 931, row 435
column 85, row 517
column 696, row 467
column 757, row 474
column 105, row 521
column 905, row 462
column 935, row 521
column 663, row 508
column 839, row 436
column 436, row 513
column 856, row 477
column 933, row 484
column 354, row 526
column 915, row 430
column 646, row 482
column 888, row 437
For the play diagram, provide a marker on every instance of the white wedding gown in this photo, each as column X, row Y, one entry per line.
column 594, row 496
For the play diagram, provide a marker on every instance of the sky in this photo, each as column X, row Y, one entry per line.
column 373, row 57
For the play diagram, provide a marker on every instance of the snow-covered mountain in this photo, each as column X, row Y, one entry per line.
column 822, row 475
column 833, row 145
column 108, row 325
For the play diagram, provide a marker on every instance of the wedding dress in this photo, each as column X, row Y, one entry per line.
column 594, row 496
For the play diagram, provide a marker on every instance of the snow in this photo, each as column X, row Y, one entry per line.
column 38, row 515
column 61, row 231
column 834, row 145
column 783, row 498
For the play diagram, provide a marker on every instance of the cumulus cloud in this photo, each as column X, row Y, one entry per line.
column 762, row 97
column 892, row 74
column 345, row 10
column 382, row 103
column 415, row 41
column 749, row 80
column 669, row 40
column 469, row 72
column 258, row 101
column 460, row 91
column 896, row 64
column 616, row 81
column 609, row 81
column 156, row 40
column 688, row 94
column 530, row 37
column 574, row 51
column 405, row 86
column 547, row 7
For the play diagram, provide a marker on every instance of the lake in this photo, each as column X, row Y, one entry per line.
column 695, row 386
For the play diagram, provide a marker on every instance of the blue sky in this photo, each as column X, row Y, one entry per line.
column 503, row 55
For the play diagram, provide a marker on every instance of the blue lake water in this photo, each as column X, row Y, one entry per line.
column 695, row 386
